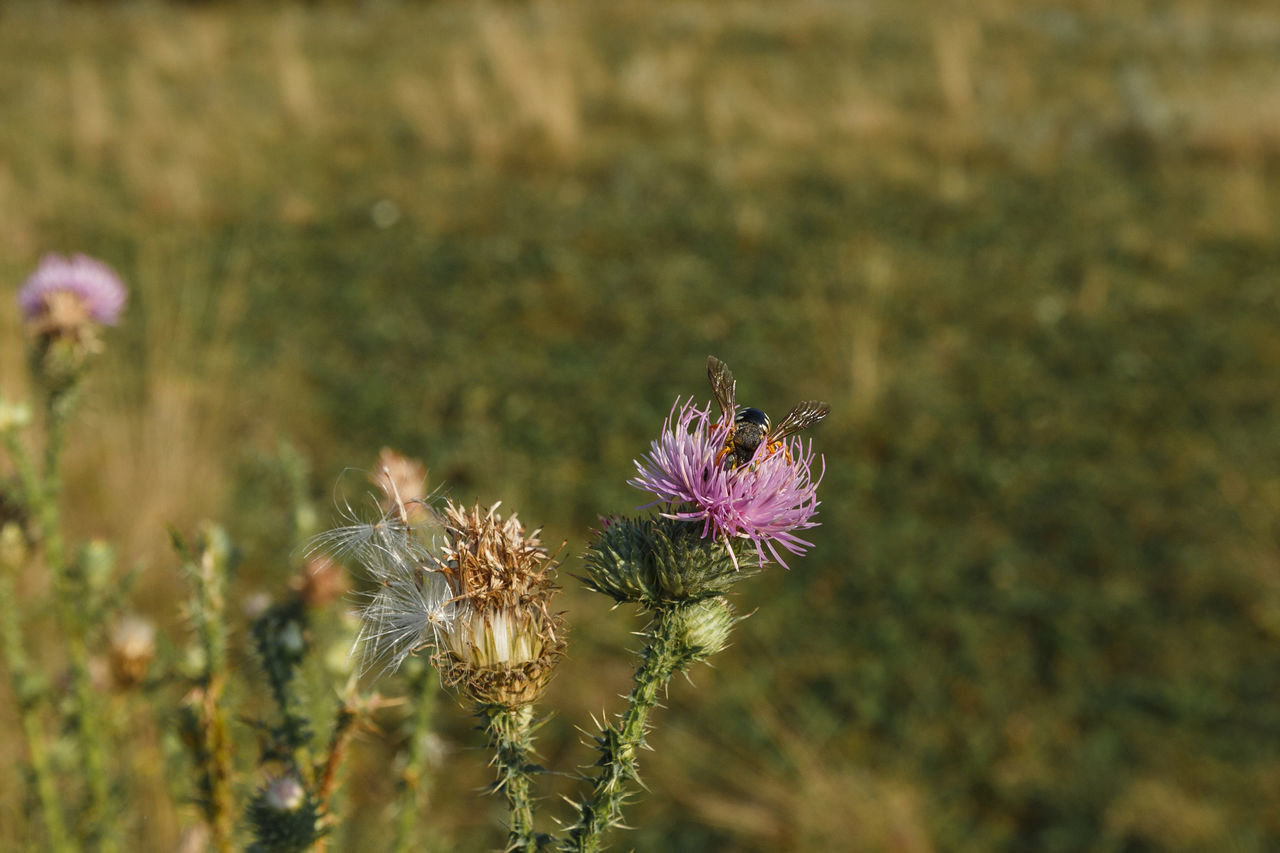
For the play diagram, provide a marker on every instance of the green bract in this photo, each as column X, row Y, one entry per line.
column 658, row 561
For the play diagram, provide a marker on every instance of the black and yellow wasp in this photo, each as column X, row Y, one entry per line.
column 750, row 427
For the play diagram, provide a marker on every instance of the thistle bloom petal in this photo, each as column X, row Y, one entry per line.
column 90, row 281
column 765, row 501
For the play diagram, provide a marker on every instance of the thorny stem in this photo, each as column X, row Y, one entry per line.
column 217, row 753
column 27, row 479
column 343, row 729
column 212, row 746
column 26, row 695
column 280, row 641
column 511, row 737
column 69, row 602
column 28, row 707
column 619, row 743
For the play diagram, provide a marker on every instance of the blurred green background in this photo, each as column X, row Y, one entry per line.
column 1027, row 251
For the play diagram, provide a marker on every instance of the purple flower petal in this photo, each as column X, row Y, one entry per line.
column 765, row 501
column 91, row 280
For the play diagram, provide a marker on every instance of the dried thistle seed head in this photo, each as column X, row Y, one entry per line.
column 408, row 612
column 403, row 481
column 491, row 562
column 505, row 642
column 476, row 592
column 504, row 656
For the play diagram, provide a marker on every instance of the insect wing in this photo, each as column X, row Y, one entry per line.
column 723, row 387
column 804, row 415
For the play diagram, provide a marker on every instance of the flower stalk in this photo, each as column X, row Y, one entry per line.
column 477, row 598
column 204, row 719
column 510, row 733
column 64, row 303
column 69, row 597
column 678, row 637
column 28, row 695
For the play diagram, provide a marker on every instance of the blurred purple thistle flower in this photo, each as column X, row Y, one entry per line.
column 765, row 501
column 97, row 288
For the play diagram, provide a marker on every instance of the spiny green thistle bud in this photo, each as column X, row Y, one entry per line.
column 701, row 629
column 280, row 636
column 284, row 817
column 660, row 561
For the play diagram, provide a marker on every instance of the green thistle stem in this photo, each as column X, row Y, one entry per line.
column 422, row 684
column 58, row 406
column 27, row 479
column 69, row 600
column 27, row 698
column 619, row 743
column 343, row 729
column 206, row 717
column 511, row 737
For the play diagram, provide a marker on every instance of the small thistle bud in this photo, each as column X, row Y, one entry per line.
column 13, row 545
column 404, row 484
column 281, row 639
column 285, row 794
column 700, row 630
column 98, row 562
column 255, row 604
column 131, row 642
column 291, row 640
column 320, row 582
column 658, row 561
column 284, row 817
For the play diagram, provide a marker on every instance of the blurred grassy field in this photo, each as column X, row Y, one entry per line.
column 1029, row 252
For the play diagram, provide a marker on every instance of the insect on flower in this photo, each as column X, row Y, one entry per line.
column 750, row 427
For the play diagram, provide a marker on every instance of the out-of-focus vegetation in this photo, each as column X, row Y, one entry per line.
column 1029, row 253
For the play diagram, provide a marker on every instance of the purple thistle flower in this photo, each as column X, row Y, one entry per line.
column 96, row 286
column 765, row 501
